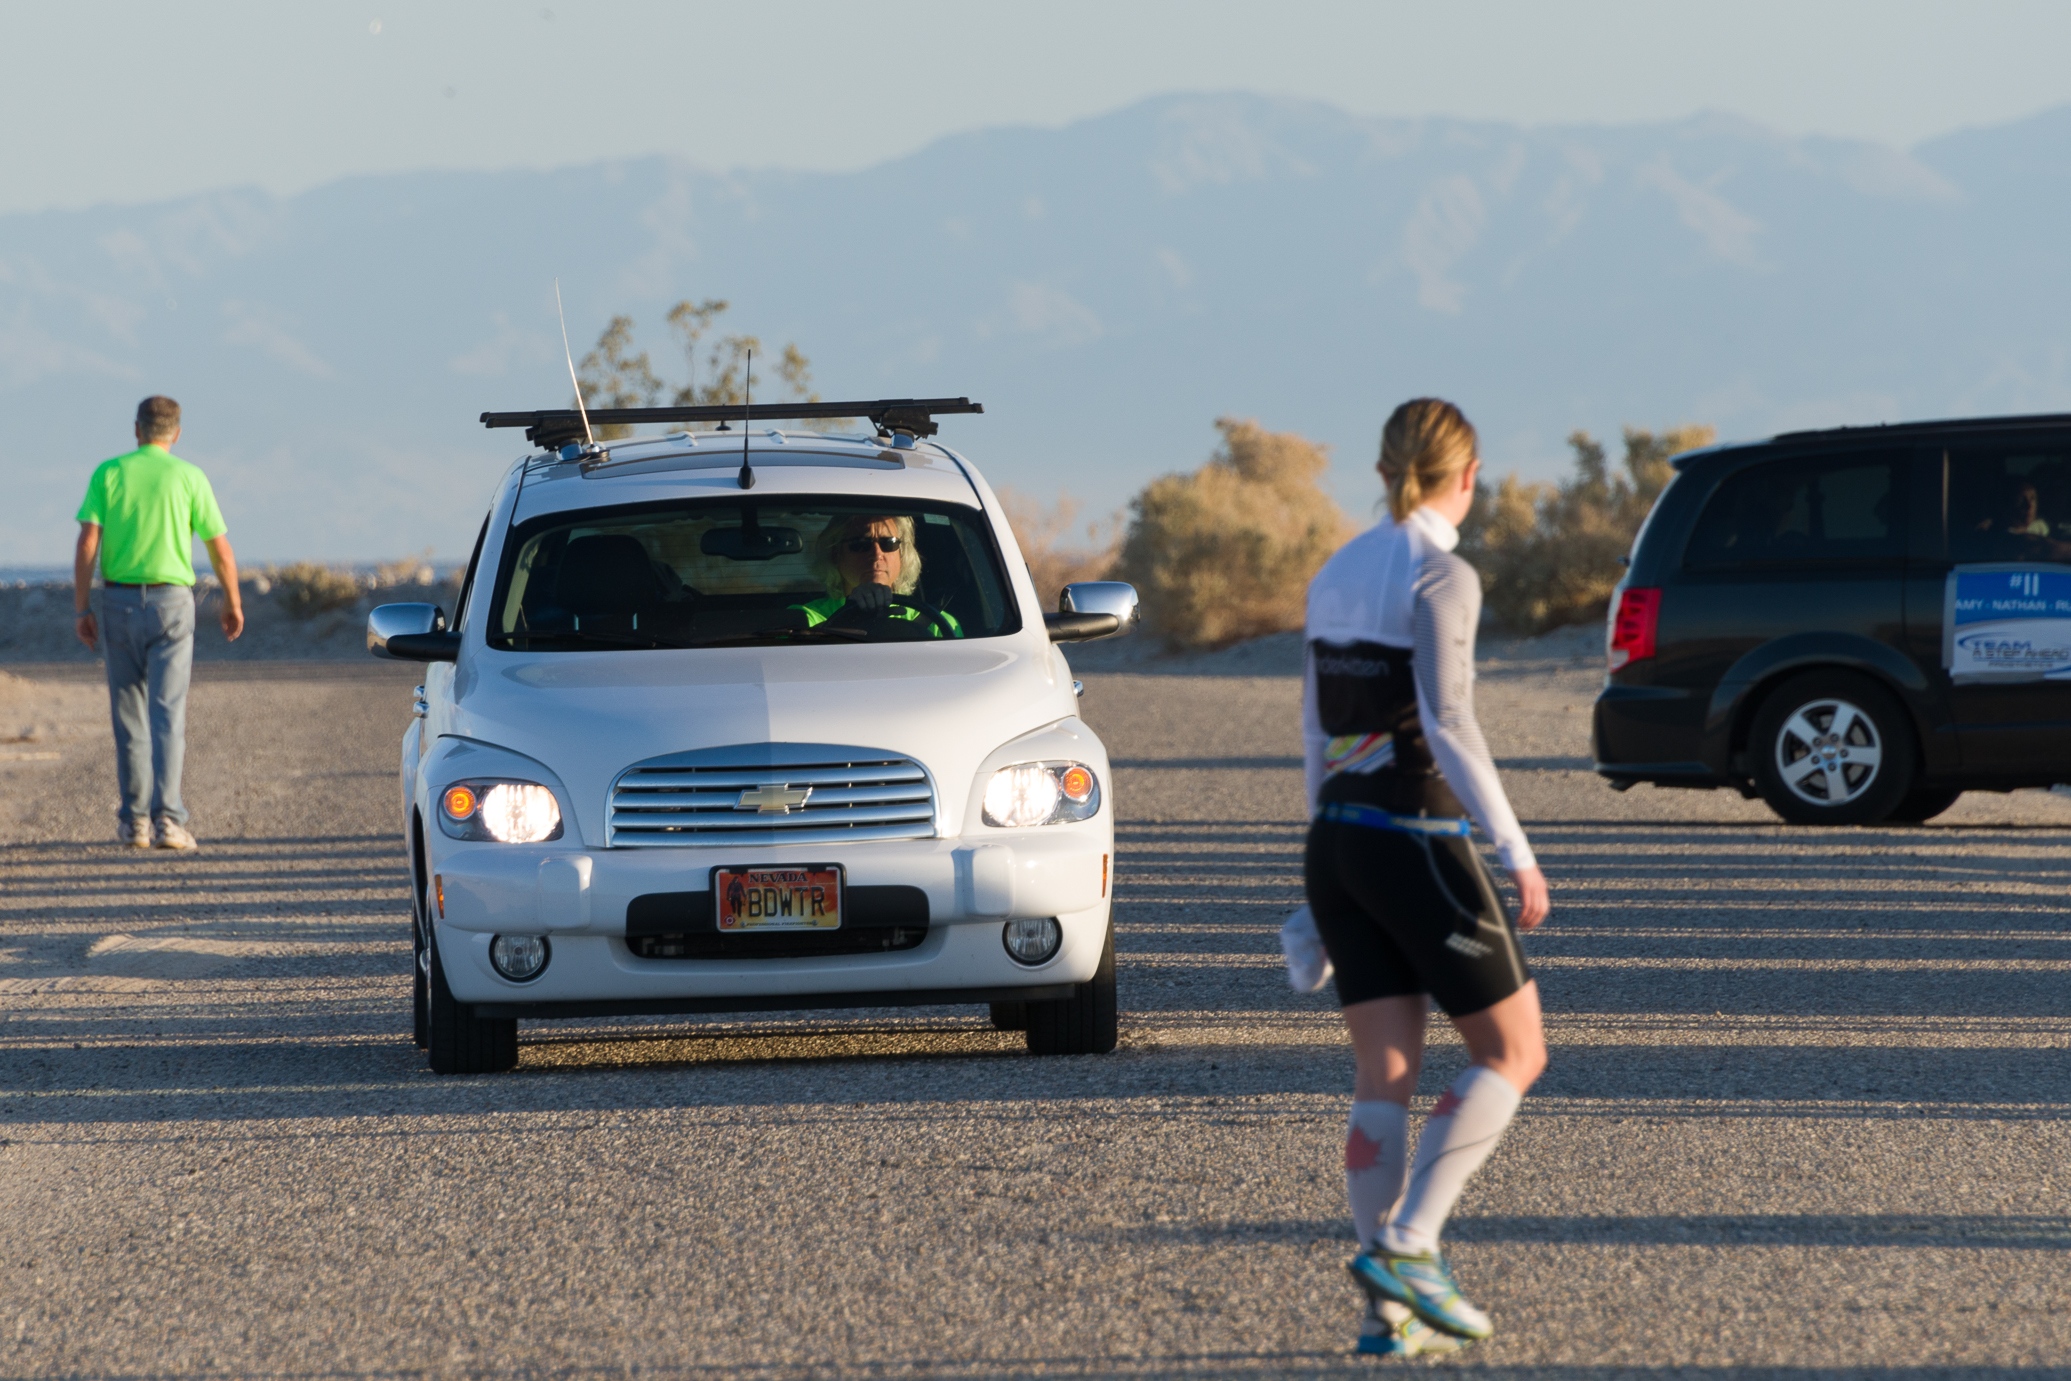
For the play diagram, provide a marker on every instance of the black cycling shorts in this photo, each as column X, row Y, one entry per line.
column 1403, row 913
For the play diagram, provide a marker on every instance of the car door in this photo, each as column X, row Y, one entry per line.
column 2003, row 628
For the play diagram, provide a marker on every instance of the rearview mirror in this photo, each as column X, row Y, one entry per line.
column 411, row 633
column 1089, row 609
column 752, row 544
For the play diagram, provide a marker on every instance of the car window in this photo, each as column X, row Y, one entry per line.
column 1795, row 511
column 744, row 571
column 2010, row 502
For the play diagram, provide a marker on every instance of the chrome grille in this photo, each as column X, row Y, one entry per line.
column 691, row 799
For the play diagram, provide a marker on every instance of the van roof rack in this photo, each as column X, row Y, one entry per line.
column 553, row 427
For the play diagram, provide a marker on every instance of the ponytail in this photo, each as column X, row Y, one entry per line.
column 1427, row 442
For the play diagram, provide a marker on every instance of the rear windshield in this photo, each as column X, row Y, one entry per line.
column 750, row 573
column 1792, row 511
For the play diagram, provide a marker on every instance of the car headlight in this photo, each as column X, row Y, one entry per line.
column 1041, row 793
column 504, row 812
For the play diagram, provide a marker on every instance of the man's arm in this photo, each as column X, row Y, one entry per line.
column 84, row 554
column 225, row 562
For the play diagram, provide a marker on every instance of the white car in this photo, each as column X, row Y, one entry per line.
column 662, row 763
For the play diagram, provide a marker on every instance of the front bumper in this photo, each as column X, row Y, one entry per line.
column 579, row 899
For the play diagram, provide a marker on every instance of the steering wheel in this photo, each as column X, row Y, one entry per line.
column 934, row 615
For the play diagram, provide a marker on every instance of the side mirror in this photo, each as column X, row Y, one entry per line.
column 411, row 633
column 1090, row 609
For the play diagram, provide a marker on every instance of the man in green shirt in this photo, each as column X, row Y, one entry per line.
column 140, row 517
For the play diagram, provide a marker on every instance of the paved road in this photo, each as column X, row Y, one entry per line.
column 1808, row 1108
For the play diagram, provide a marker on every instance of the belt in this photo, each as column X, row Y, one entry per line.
column 1351, row 813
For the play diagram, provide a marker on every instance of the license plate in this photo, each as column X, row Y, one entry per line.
column 805, row 898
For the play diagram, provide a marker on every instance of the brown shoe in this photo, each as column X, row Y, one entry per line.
column 134, row 834
column 172, row 835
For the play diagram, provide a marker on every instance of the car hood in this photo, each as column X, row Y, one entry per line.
column 588, row 716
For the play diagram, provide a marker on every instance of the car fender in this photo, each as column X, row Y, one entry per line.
column 1747, row 681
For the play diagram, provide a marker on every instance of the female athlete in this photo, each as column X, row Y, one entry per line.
column 1396, row 768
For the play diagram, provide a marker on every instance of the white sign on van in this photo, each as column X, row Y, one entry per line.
column 2007, row 622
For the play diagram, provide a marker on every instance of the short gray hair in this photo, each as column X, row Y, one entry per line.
column 826, row 550
column 158, row 417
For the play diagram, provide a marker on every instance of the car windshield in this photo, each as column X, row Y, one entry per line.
column 750, row 572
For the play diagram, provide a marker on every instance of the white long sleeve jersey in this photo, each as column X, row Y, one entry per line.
column 1399, row 585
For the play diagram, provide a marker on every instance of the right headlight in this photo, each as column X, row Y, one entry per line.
column 1041, row 793
column 503, row 811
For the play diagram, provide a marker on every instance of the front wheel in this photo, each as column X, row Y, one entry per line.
column 460, row 1041
column 1084, row 1023
column 420, row 975
column 1831, row 748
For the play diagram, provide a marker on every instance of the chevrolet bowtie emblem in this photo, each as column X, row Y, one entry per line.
column 773, row 800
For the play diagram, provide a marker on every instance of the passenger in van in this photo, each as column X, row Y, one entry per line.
column 864, row 562
column 2021, row 511
column 2016, row 529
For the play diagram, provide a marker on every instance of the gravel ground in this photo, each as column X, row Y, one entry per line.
column 1807, row 1113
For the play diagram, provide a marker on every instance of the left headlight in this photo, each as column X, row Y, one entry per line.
column 500, row 811
column 1041, row 793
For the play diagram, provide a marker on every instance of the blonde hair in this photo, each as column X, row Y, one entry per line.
column 827, row 550
column 1427, row 441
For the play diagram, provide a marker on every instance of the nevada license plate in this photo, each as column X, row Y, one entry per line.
column 807, row 898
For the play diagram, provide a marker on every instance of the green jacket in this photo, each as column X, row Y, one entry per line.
column 820, row 610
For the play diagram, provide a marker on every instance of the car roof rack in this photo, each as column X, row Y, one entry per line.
column 553, row 427
column 2019, row 422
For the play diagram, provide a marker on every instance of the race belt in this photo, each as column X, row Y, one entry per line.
column 1374, row 818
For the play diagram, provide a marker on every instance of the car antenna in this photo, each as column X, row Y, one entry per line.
column 589, row 437
column 747, row 416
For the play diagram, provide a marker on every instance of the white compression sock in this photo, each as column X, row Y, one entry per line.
column 1376, row 1156
column 1459, row 1135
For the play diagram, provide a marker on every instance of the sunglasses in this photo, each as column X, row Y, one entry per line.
column 862, row 544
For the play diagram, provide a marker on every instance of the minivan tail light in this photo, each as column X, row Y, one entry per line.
column 1632, row 627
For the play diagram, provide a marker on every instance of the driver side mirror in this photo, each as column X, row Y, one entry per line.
column 1089, row 609
column 411, row 633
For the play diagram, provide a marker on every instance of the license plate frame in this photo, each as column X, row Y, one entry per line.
column 778, row 896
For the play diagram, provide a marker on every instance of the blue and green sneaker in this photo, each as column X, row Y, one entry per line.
column 1426, row 1285
column 1391, row 1330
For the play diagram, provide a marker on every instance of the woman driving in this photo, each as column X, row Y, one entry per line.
column 866, row 563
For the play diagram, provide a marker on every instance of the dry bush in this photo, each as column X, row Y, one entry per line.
column 1548, row 553
column 408, row 570
column 1056, row 552
column 1226, row 553
column 305, row 589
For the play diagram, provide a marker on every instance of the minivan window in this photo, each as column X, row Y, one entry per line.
column 749, row 572
column 1797, row 511
column 2010, row 503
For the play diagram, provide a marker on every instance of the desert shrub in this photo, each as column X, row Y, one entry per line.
column 1548, row 553
column 305, row 589
column 1226, row 553
column 407, row 570
column 1056, row 549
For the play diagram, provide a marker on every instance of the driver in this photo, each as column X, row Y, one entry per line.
column 866, row 563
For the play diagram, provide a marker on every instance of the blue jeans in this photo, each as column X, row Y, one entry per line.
column 147, row 637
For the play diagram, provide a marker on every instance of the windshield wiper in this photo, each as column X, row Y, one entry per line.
column 592, row 638
column 819, row 630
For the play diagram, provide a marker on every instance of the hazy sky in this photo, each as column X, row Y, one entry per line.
column 130, row 102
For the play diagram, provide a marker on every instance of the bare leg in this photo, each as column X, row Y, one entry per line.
column 1507, row 1038
column 1388, row 1044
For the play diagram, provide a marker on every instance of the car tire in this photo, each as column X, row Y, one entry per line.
column 1918, row 807
column 1084, row 1023
column 1831, row 748
column 420, row 977
column 1010, row 1016
column 461, row 1042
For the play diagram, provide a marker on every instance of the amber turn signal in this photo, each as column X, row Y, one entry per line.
column 460, row 802
column 1077, row 784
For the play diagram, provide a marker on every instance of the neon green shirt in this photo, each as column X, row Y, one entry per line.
column 821, row 610
column 150, row 505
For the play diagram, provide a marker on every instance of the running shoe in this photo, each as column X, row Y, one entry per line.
column 1370, row 1269
column 1390, row 1330
column 173, row 835
column 134, row 834
column 1427, row 1282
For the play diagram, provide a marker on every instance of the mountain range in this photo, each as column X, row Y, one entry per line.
column 1106, row 289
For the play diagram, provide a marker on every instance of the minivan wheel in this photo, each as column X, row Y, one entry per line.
column 1010, row 1016
column 1084, row 1023
column 420, row 977
column 461, row 1042
column 1831, row 748
column 1917, row 807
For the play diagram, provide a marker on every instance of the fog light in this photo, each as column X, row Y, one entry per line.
column 518, row 957
column 1033, row 941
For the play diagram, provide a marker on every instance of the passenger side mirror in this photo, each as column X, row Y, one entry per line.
column 411, row 633
column 1088, row 609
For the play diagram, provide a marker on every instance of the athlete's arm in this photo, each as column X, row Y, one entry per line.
column 1448, row 607
column 1314, row 740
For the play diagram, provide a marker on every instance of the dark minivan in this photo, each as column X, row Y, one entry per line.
column 1856, row 625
